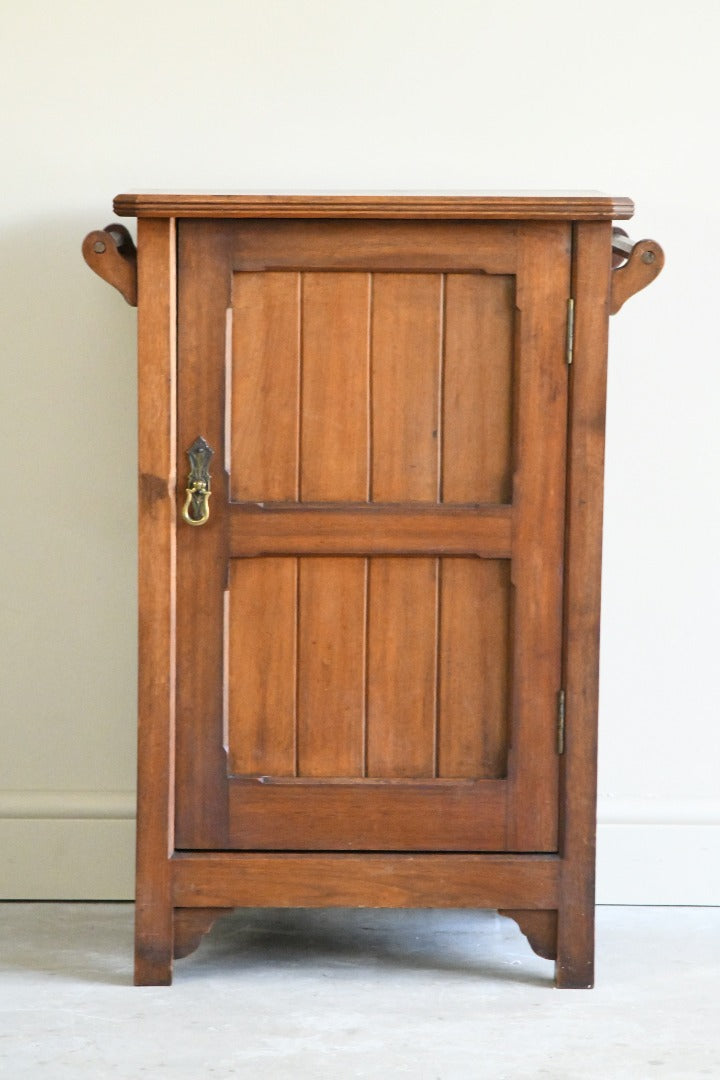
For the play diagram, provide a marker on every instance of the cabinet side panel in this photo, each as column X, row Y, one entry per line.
column 477, row 388
column 265, row 386
column 156, row 584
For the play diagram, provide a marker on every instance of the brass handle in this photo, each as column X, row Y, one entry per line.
column 196, row 510
column 192, row 493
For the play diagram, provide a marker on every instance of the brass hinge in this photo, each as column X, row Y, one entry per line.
column 561, row 722
column 570, row 342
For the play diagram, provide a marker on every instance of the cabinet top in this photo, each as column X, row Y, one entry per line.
column 479, row 205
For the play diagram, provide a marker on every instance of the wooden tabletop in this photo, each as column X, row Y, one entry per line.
column 480, row 206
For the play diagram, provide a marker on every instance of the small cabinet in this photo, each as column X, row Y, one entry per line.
column 371, row 445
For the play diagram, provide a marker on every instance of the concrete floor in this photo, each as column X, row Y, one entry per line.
column 342, row 994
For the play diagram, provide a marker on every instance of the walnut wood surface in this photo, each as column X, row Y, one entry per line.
column 233, row 879
column 526, row 206
column 539, row 927
column 357, row 665
column 645, row 261
column 190, row 926
column 111, row 253
column 156, row 584
column 403, row 529
column 586, row 452
column 401, row 567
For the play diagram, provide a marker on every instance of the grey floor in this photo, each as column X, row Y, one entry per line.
column 341, row 994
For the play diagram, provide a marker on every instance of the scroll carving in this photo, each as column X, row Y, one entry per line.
column 539, row 927
column 190, row 926
column 645, row 260
column 111, row 253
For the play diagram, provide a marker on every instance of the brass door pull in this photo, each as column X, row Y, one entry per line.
column 196, row 510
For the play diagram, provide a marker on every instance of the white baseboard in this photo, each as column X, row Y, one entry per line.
column 658, row 851
column 80, row 846
column 67, row 845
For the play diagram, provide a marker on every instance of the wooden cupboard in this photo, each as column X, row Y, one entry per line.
column 371, row 453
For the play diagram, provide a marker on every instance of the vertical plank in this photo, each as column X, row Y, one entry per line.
column 334, row 467
column 331, row 667
column 401, row 706
column 406, row 349
column 261, row 666
column 477, row 394
column 334, row 425
column 156, row 597
column 538, row 534
column 265, row 386
column 474, row 660
column 586, row 454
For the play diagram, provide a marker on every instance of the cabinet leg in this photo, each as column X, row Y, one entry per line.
column 575, row 962
column 153, row 947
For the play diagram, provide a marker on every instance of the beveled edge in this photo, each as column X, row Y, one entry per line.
column 485, row 206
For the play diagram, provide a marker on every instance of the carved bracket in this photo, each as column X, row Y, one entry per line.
column 111, row 253
column 190, row 926
column 539, row 927
column 644, row 261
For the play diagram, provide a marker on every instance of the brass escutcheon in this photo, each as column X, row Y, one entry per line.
column 196, row 510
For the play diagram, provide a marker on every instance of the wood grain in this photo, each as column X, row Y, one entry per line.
column 262, row 667
column 539, row 927
column 401, row 679
column 537, row 565
column 644, row 263
column 365, row 880
column 498, row 205
column 157, row 598
column 191, row 924
column 331, row 667
column 201, row 764
column 406, row 349
column 265, row 386
column 586, row 454
column 474, row 676
column 334, row 428
column 477, row 388
column 367, row 815
column 373, row 530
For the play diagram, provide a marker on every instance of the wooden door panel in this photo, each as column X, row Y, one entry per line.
column 372, row 815
column 390, row 544
column 343, row 668
column 324, row 366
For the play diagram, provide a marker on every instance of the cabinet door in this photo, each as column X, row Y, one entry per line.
column 369, row 625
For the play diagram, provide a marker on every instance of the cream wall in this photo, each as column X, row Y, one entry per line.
column 262, row 94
